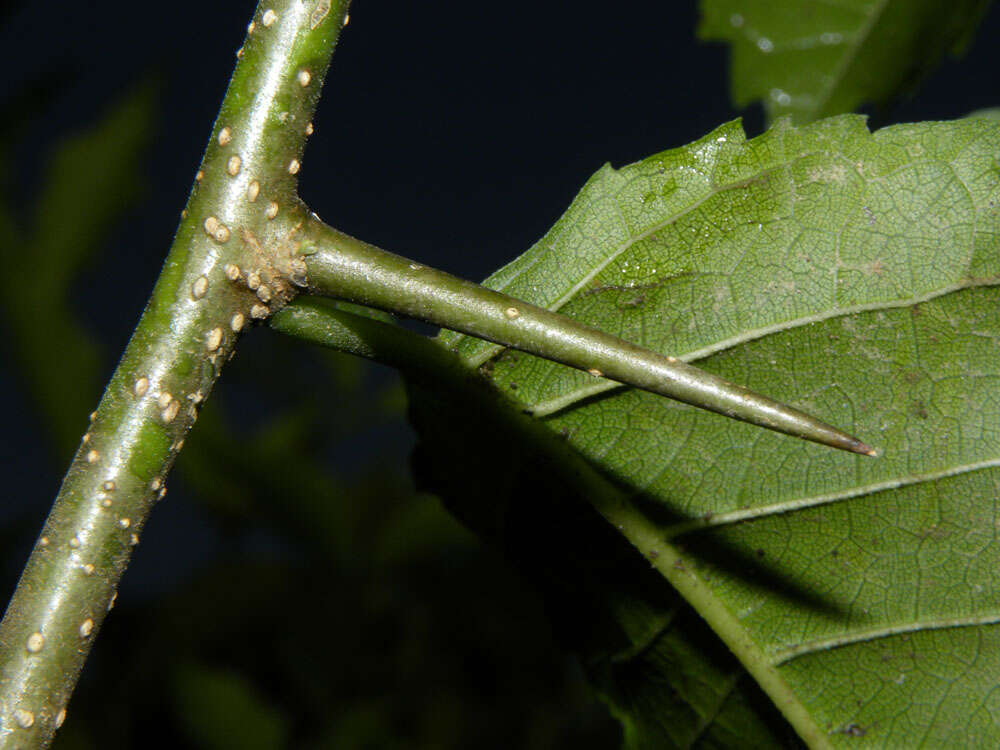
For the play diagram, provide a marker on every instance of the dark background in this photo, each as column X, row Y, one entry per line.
column 453, row 133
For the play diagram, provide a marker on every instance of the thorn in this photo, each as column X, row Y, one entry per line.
column 854, row 445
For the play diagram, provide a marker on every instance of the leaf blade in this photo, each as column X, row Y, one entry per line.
column 907, row 351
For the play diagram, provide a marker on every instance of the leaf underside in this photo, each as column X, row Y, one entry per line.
column 852, row 274
column 812, row 59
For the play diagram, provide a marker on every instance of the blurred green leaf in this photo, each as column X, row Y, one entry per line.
column 852, row 274
column 26, row 105
column 416, row 528
column 992, row 113
column 89, row 183
column 221, row 710
column 813, row 59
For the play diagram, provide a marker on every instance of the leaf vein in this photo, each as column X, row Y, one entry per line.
column 788, row 506
column 560, row 403
column 862, row 636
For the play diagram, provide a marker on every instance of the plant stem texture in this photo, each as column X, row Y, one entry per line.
column 228, row 267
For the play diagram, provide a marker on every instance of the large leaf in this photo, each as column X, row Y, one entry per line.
column 813, row 59
column 850, row 273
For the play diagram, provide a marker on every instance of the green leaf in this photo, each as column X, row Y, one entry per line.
column 992, row 113
column 91, row 179
column 813, row 59
column 849, row 273
column 222, row 710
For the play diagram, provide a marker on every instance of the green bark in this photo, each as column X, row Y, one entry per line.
column 234, row 229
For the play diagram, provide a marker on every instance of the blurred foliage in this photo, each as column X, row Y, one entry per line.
column 992, row 113
column 89, row 182
column 334, row 611
column 812, row 60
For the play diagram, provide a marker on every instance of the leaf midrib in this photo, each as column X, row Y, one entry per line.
column 763, row 666
column 680, row 572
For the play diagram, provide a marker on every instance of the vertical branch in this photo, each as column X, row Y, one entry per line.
column 240, row 212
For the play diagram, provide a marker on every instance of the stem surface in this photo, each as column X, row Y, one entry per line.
column 234, row 229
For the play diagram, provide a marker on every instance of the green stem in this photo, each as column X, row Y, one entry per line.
column 235, row 227
column 319, row 322
column 343, row 267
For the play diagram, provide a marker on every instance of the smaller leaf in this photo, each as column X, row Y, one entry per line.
column 91, row 180
column 812, row 60
column 221, row 710
column 991, row 113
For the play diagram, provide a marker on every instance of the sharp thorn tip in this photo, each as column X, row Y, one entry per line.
column 865, row 450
